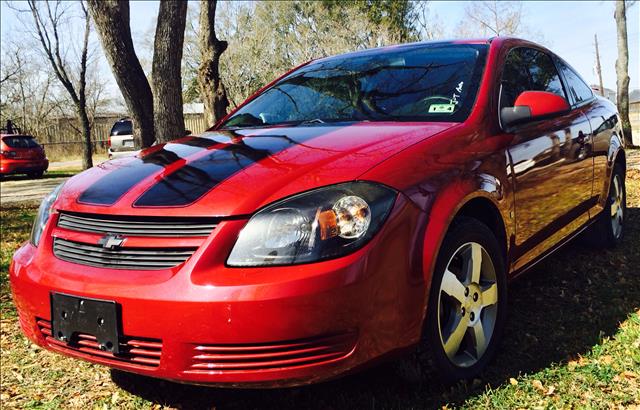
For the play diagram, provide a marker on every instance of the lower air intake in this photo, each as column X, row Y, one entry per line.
column 138, row 351
column 286, row 354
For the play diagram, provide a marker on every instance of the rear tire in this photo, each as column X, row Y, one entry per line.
column 468, row 301
column 608, row 230
column 36, row 175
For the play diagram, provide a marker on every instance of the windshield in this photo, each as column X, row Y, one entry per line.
column 436, row 82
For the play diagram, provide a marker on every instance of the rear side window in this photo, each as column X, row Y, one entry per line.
column 20, row 141
column 122, row 128
column 527, row 69
column 578, row 89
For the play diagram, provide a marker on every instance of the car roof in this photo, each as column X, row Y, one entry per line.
column 418, row 44
column 405, row 46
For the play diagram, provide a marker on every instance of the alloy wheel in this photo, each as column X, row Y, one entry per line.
column 467, row 305
column 617, row 206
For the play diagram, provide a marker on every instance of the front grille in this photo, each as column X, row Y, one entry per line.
column 286, row 354
column 137, row 226
column 122, row 258
column 140, row 351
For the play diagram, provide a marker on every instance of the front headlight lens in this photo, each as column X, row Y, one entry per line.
column 320, row 224
column 44, row 212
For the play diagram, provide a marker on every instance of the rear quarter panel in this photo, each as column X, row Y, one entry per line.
column 608, row 144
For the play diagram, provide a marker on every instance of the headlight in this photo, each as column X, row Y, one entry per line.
column 44, row 212
column 320, row 224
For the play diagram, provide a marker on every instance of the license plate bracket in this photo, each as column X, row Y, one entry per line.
column 71, row 315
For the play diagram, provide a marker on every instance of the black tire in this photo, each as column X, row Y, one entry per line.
column 35, row 175
column 603, row 234
column 464, row 231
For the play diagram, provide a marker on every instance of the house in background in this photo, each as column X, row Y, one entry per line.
column 609, row 94
column 634, row 115
column 634, row 109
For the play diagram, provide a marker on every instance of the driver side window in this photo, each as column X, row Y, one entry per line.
column 527, row 69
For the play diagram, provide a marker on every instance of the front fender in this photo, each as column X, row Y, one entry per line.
column 449, row 202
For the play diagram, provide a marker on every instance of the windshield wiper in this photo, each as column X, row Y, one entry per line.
column 313, row 121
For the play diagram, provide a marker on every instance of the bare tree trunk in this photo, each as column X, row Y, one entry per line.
column 622, row 69
column 212, row 91
column 112, row 22
column 48, row 34
column 166, row 74
column 87, row 152
column 87, row 157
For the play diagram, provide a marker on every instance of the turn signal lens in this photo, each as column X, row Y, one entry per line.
column 353, row 216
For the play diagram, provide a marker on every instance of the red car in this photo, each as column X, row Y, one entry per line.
column 21, row 154
column 351, row 209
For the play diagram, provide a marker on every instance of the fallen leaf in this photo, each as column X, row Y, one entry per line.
column 537, row 384
column 114, row 398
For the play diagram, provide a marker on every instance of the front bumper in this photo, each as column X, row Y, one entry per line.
column 206, row 323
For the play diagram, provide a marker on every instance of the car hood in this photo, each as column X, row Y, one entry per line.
column 224, row 173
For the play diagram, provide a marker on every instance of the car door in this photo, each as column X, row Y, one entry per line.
column 603, row 120
column 551, row 161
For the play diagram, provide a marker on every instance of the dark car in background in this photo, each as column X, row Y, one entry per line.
column 21, row 154
column 120, row 142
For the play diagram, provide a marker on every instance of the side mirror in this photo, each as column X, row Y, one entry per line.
column 532, row 105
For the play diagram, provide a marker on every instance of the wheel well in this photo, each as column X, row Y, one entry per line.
column 486, row 212
column 622, row 160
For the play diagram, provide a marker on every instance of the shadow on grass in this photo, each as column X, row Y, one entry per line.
column 559, row 310
column 47, row 175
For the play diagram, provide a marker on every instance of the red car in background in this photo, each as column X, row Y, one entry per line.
column 21, row 154
column 354, row 208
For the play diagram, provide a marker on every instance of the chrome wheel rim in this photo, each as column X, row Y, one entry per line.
column 617, row 206
column 467, row 305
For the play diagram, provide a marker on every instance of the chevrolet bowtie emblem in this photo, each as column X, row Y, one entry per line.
column 111, row 241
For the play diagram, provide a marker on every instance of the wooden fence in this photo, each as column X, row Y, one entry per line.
column 62, row 139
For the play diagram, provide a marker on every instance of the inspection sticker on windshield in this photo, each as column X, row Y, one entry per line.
column 442, row 108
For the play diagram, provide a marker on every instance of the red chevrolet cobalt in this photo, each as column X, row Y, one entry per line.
column 355, row 207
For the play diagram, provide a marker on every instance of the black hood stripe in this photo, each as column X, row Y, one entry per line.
column 192, row 181
column 111, row 187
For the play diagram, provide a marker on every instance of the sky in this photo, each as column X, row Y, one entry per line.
column 568, row 28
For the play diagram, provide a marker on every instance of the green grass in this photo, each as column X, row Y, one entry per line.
column 572, row 341
column 57, row 173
